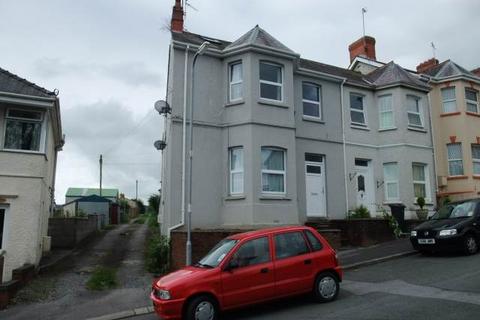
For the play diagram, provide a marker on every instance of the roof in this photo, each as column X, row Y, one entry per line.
column 82, row 192
column 197, row 39
column 240, row 236
column 352, row 77
column 12, row 83
column 93, row 198
column 391, row 74
column 448, row 69
column 259, row 38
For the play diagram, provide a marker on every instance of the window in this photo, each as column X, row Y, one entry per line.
column 271, row 81
column 311, row 100
column 23, row 130
column 471, row 97
column 236, row 170
column 449, row 100
column 419, row 180
column 357, row 113
column 273, row 170
column 236, row 81
column 476, row 158
column 414, row 112
column 312, row 157
column 455, row 159
column 315, row 244
column 252, row 252
column 361, row 162
column 386, row 112
column 2, row 223
column 390, row 176
column 289, row 245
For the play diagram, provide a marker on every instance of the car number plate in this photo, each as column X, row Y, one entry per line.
column 426, row 241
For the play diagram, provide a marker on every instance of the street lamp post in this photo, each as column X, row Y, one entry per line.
column 201, row 50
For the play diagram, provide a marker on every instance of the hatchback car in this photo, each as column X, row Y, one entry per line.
column 250, row 268
column 454, row 227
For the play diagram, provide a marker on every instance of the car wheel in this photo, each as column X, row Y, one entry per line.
column 470, row 244
column 326, row 287
column 201, row 308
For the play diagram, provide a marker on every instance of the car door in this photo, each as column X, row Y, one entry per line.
column 248, row 276
column 294, row 268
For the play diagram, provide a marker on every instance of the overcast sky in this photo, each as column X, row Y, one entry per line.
column 108, row 58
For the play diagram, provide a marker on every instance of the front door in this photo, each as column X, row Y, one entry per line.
column 2, row 241
column 364, row 185
column 315, row 189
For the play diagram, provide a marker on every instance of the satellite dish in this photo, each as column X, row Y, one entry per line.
column 162, row 107
column 159, row 144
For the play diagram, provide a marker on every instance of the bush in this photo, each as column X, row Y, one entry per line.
column 421, row 202
column 360, row 213
column 102, row 278
column 157, row 255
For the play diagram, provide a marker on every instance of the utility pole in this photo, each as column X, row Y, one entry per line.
column 101, row 167
column 136, row 190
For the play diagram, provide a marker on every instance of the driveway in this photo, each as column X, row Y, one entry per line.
column 65, row 295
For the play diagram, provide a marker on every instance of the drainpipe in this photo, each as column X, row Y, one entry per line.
column 184, row 137
column 344, row 144
column 435, row 184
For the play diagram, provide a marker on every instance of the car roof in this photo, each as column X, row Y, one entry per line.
column 266, row 231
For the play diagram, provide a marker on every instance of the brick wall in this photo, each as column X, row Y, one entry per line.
column 363, row 232
column 68, row 232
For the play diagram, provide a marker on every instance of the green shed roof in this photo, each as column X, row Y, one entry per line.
column 83, row 192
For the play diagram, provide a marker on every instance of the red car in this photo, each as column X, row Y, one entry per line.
column 249, row 268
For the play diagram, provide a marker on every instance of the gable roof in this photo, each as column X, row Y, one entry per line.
column 12, row 83
column 257, row 37
column 392, row 74
column 82, row 192
column 448, row 69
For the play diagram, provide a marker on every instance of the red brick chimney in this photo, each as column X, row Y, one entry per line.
column 427, row 65
column 476, row 72
column 363, row 47
column 177, row 17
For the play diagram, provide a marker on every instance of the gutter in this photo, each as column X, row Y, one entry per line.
column 435, row 182
column 342, row 108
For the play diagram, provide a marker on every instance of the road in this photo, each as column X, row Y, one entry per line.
column 415, row 287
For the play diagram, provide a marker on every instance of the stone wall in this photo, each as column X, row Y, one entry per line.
column 69, row 232
column 363, row 232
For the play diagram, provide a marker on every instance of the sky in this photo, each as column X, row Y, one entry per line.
column 108, row 59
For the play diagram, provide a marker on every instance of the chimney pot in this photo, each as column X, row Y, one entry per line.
column 363, row 47
column 476, row 72
column 427, row 65
column 177, row 17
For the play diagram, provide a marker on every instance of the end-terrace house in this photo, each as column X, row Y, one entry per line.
column 283, row 140
column 30, row 138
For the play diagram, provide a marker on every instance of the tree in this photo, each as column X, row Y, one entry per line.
column 141, row 206
column 154, row 202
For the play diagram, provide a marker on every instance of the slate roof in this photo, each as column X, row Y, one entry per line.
column 352, row 77
column 258, row 37
column 391, row 74
column 197, row 39
column 447, row 69
column 83, row 192
column 12, row 83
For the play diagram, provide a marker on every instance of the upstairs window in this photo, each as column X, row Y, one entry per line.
column 357, row 112
column 455, row 159
column 23, row 130
column 271, row 81
column 236, row 170
column 414, row 112
column 386, row 112
column 236, row 81
column 311, row 100
column 476, row 158
column 273, row 170
column 471, row 96
column 419, row 180
column 449, row 100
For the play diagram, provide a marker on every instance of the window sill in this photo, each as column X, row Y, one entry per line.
column 457, row 177
column 273, row 103
column 387, row 129
column 359, row 127
column 417, row 129
column 38, row 153
column 387, row 202
column 312, row 119
column 274, row 197
column 473, row 114
column 449, row 114
column 476, row 177
column 234, row 103
column 235, row 197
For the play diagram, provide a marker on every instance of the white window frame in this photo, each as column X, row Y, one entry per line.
column 426, row 182
column 475, row 160
column 452, row 160
column 468, row 101
column 3, row 241
column 232, row 83
column 43, row 130
column 449, row 100
column 270, row 82
column 318, row 103
column 419, row 113
column 278, row 172
column 236, row 171
column 388, row 182
column 363, row 111
column 380, row 112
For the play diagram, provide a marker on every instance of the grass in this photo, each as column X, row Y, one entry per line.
column 141, row 219
column 102, row 278
column 109, row 227
column 39, row 290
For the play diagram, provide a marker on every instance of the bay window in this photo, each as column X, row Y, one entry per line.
column 390, row 176
column 449, row 100
column 386, row 112
column 236, row 81
column 273, row 170
column 471, row 97
column 236, row 170
column 419, row 180
column 476, row 158
column 271, row 81
column 414, row 112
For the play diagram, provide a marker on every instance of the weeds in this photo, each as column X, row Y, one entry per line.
column 102, row 278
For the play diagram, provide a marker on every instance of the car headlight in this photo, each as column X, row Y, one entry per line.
column 413, row 234
column 162, row 294
column 447, row 232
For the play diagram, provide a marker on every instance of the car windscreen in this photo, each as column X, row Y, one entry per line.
column 217, row 254
column 456, row 210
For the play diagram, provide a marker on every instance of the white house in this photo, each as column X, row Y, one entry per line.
column 30, row 138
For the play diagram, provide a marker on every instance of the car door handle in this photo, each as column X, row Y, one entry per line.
column 308, row 261
column 264, row 270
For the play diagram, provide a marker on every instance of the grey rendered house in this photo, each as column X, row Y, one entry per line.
column 271, row 143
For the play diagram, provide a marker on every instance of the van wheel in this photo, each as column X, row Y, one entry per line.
column 326, row 287
column 201, row 308
column 470, row 244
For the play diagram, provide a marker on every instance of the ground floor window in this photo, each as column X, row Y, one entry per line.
column 390, row 176
column 476, row 158
column 2, row 224
column 273, row 170
column 420, row 180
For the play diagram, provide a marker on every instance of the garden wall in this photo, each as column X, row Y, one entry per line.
column 69, row 232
